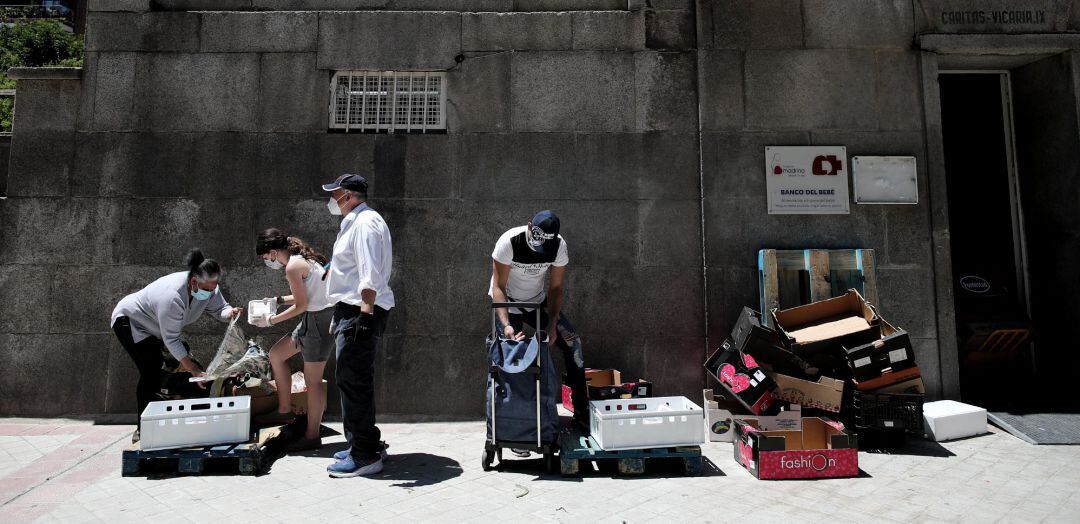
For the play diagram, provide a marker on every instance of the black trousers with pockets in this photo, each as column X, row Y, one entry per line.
column 355, row 375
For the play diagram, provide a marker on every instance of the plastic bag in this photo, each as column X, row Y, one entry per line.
column 237, row 355
column 299, row 385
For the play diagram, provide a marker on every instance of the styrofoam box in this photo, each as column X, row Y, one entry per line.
column 261, row 308
column 195, row 422
column 641, row 423
column 948, row 419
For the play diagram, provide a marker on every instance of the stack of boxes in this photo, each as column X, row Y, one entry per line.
column 831, row 360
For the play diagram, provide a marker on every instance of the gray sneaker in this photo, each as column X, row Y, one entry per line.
column 353, row 468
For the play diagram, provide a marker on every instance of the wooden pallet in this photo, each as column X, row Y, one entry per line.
column 790, row 278
column 247, row 457
column 575, row 448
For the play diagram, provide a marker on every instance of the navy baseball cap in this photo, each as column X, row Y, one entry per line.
column 349, row 182
column 543, row 236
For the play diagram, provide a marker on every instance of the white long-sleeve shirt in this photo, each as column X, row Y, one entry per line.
column 362, row 259
column 164, row 307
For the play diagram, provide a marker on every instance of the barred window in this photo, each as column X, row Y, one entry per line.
column 388, row 101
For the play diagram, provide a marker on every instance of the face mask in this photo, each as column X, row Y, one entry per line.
column 333, row 206
column 273, row 264
column 201, row 294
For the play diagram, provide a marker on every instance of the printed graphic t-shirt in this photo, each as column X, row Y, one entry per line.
column 528, row 269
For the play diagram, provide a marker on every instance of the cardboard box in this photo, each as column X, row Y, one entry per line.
column 948, row 419
column 822, row 449
column 264, row 401
column 888, row 378
column 720, row 414
column 764, row 344
column 742, row 377
column 892, row 352
column 826, row 393
column 602, row 377
column 827, row 325
column 913, row 386
column 640, row 389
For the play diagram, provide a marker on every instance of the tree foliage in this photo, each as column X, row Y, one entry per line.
column 34, row 43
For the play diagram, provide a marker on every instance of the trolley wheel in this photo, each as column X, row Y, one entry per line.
column 489, row 457
column 692, row 466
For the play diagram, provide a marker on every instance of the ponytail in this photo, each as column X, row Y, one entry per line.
column 272, row 239
column 299, row 247
column 201, row 267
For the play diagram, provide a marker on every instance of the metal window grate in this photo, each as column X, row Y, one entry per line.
column 388, row 101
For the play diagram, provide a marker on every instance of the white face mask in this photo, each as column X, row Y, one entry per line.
column 273, row 264
column 333, row 206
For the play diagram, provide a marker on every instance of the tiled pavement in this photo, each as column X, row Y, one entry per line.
column 62, row 471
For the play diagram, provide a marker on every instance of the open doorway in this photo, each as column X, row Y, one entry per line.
column 987, row 234
column 1012, row 160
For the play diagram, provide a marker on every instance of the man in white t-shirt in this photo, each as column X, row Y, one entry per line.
column 529, row 265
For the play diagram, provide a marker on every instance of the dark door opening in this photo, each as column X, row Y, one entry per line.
column 993, row 322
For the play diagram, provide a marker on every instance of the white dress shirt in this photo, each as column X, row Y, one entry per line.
column 362, row 259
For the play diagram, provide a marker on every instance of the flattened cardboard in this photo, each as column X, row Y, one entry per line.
column 821, row 449
column 720, row 414
column 888, row 378
column 892, row 352
column 825, row 325
column 748, row 383
column 827, row 393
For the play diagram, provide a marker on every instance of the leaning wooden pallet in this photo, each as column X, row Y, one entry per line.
column 789, row 278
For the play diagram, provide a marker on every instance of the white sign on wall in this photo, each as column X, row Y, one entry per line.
column 807, row 180
column 885, row 179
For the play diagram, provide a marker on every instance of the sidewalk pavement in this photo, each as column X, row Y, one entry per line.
column 69, row 471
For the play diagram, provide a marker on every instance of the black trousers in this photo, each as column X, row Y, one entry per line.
column 146, row 354
column 149, row 357
column 355, row 375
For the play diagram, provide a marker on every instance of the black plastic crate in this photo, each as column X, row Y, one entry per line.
column 873, row 439
column 894, row 412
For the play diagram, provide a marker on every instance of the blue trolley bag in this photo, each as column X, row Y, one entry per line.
column 522, row 388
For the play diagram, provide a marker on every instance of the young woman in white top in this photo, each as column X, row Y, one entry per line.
column 304, row 271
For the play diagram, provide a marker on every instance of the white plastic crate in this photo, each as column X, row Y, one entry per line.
column 641, row 423
column 195, row 422
column 260, row 309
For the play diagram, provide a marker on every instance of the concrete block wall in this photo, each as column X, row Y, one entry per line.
column 811, row 72
column 642, row 122
column 201, row 128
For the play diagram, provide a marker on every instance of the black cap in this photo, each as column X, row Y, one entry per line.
column 543, row 236
column 349, row 182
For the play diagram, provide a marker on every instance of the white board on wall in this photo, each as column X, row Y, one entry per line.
column 885, row 179
column 807, row 180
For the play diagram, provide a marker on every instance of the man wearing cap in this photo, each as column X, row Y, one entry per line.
column 358, row 282
column 529, row 265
